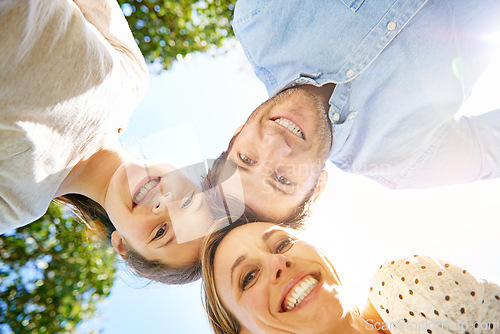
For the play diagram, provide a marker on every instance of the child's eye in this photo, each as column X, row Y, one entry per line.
column 160, row 232
column 188, row 201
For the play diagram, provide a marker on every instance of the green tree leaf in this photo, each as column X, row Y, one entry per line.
column 51, row 276
column 167, row 29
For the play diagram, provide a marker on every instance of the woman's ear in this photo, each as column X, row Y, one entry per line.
column 323, row 178
column 119, row 244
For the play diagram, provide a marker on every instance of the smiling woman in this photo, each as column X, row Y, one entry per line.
column 262, row 278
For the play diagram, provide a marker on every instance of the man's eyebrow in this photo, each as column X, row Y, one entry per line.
column 236, row 264
column 276, row 188
column 242, row 168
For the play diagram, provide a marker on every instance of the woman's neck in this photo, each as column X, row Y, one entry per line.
column 369, row 322
column 373, row 319
column 91, row 175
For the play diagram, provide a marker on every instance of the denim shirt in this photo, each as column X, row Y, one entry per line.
column 402, row 69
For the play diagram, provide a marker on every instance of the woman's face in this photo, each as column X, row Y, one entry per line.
column 158, row 212
column 273, row 282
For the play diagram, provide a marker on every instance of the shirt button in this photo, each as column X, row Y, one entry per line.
column 391, row 26
column 336, row 117
column 350, row 73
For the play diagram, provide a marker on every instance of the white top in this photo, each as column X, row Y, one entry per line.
column 424, row 295
column 70, row 72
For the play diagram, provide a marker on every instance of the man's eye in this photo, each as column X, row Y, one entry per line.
column 188, row 201
column 246, row 159
column 284, row 245
column 248, row 279
column 160, row 232
column 281, row 179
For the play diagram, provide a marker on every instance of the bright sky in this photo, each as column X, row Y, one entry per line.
column 359, row 223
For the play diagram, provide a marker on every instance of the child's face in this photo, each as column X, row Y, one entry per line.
column 158, row 212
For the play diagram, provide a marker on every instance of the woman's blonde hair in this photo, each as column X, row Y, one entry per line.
column 220, row 318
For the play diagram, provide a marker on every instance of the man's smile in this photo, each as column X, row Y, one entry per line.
column 290, row 126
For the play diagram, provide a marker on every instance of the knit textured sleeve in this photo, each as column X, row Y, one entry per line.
column 425, row 295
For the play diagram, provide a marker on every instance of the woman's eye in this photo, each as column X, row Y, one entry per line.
column 160, row 232
column 248, row 279
column 283, row 180
column 246, row 159
column 188, row 201
column 284, row 245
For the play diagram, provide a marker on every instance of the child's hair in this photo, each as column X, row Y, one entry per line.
column 98, row 222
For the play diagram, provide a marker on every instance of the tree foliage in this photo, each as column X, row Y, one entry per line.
column 51, row 276
column 165, row 29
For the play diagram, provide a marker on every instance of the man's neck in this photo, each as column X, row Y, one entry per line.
column 323, row 93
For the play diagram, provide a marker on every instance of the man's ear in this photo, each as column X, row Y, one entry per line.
column 238, row 129
column 119, row 244
column 323, row 178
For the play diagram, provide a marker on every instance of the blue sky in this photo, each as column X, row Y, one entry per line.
column 196, row 107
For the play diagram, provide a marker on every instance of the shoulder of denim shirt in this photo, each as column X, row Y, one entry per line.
column 245, row 10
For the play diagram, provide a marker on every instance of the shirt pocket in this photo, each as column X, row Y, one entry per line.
column 340, row 134
column 353, row 4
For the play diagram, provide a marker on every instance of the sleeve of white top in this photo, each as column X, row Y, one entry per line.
column 106, row 16
column 424, row 295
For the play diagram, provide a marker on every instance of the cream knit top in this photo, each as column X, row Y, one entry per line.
column 424, row 295
column 70, row 72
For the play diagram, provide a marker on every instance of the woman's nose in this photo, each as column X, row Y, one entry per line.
column 279, row 266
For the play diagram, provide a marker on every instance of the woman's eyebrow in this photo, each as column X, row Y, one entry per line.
column 242, row 258
column 236, row 264
column 269, row 233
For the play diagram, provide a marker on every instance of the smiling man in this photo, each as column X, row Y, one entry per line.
column 281, row 154
column 373, row 86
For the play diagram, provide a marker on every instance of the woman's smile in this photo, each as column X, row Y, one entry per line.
column 299, row 294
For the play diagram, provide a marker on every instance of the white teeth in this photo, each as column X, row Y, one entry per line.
column 294, row 128
column 144, row 190
column 300, row 291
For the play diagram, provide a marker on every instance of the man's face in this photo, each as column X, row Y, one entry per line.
column 280, row 152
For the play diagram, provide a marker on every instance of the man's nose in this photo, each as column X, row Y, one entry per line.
column 274, row 147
